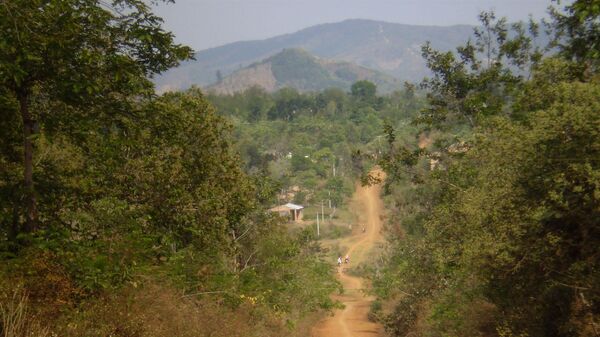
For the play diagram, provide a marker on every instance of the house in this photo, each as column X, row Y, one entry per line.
column 289, row 210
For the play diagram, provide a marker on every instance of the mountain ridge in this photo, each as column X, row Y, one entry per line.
column 297, row 68
column 392, row 48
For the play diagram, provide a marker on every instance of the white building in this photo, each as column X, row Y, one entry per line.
column 289, row 210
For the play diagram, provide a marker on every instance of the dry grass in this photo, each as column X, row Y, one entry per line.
column 15, row 317
column 47, row 304
column 153, row 310
column 159, row 311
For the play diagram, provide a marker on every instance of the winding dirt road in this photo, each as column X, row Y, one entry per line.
column 352, row 321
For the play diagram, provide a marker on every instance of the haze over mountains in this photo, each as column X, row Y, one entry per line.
column 389, row 48
column 299, row 69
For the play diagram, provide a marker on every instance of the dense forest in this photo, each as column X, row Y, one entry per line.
column 495, row 220
column 128, row 213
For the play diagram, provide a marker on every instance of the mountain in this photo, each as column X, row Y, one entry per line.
column 299, row 69
column 387, row 47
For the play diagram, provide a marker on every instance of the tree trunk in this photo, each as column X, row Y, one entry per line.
column 31, row 214
column 13, row 231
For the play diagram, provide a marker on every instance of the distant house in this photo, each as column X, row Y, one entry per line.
column 289, row 210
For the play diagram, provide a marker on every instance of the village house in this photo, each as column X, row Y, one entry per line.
column 289, row 210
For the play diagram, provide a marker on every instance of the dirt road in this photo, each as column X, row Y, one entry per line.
column 352, row 320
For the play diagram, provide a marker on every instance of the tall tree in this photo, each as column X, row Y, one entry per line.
column 364, row 91
column 577, row 30
column 77, row 53
column 474, row 82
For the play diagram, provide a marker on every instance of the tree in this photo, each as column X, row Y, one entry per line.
column 474, row 82
column 525, row 222
column 576, row 32
column 506, row 227
column 73, row 54
column 288, row 104
column 257, row 102
column 363, row 90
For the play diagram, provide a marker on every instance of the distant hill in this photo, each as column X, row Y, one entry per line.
column 391, row 48
column 298, row 69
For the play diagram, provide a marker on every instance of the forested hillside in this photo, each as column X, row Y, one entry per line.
column 296, row 68
column 495, row 220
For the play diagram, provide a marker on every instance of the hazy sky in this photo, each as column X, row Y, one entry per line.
column 209, row 23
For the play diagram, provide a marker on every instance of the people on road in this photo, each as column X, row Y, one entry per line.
column 364, row 229
column 339, row 261
column 347, row 259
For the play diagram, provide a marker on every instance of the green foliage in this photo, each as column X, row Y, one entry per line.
column 295, row 65
column 300, row 139
column 162, row 194
column 288, row 103
column 363, row 90
column 123, row 188
column 495, row 222
column 576, row 32
column 298, row 69
column 466, row 89
column 529, row 207
column 67, row 60
column 290, row 272
column 50, row 43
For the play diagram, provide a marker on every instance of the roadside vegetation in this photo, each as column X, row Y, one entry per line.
column 494, row 223
column 123, row 213
column 127, row 213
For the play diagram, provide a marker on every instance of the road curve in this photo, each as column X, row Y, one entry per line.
column 352, row 321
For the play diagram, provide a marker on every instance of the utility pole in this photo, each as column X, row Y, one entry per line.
column 322, row 211
column 318, row 232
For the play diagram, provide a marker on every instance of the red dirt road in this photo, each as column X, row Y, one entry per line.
column 352, row 321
